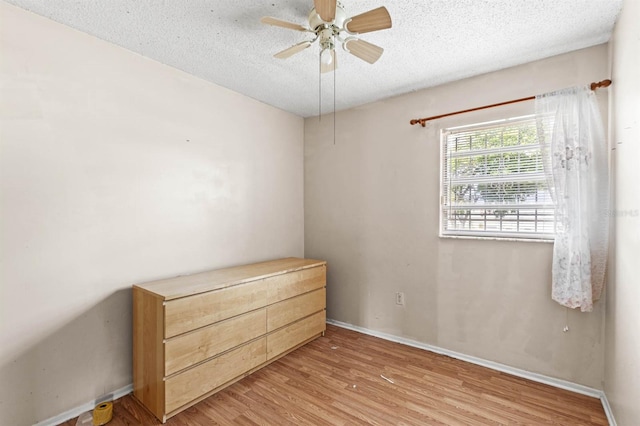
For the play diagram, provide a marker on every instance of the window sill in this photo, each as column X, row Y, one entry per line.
column 474, row 237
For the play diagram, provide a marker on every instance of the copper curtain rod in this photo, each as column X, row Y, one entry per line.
column 423, row 121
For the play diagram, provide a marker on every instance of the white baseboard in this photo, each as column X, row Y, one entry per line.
column 607, row 410
column 75, row 412
column 540, row 378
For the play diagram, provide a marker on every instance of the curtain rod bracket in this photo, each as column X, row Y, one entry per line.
column 603, row 83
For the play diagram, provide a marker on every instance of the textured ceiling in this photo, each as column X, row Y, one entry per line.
column 431, row 41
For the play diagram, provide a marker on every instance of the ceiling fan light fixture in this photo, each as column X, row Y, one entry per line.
column 326, row 57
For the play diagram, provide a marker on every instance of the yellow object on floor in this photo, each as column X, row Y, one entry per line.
column 102, row 414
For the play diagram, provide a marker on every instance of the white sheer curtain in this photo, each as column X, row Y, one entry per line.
column 574, row 150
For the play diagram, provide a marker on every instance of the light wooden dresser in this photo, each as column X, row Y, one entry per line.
column 194, row 335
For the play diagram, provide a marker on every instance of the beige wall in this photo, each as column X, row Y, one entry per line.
column 622, row 356
column 371, row 210
column 114, row 170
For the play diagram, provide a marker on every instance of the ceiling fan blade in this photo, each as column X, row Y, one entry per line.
column 280, row 23
column 292, row 50
column 364, row 50
column 332, row 66
column 326, row 9
column 373, row 20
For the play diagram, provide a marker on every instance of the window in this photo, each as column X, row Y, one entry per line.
column 493, row 183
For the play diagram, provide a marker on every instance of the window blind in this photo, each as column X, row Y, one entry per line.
column 493, row 182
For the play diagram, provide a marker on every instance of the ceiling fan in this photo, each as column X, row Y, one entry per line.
column 329, row 23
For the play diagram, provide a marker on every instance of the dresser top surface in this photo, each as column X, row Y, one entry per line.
column 188, row 285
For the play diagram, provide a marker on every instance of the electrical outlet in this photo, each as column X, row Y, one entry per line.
column 399, row 298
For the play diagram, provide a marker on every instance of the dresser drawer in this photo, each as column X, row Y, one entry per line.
column 197, row 381
column 291, row 310
column 288, row 337
column 191, row 348
column 282, row 287
column 190, row 313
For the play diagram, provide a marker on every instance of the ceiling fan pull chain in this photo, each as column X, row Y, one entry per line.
column 320, row 87
column 334, row 105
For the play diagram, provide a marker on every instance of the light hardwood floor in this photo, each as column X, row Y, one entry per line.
column 336, row 380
